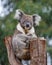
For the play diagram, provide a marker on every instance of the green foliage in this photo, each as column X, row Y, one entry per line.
column 8, row 24
column 3, row 54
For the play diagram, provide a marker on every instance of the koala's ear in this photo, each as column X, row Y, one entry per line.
column 18, row 14
column 36, row 19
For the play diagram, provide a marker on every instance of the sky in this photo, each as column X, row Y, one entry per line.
column 48, row 59
column 1, row 10
column 5, row 10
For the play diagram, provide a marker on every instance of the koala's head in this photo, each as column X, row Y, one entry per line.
column 27, row 21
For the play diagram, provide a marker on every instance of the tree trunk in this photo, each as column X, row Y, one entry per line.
column 11, row 57
column 38, row 51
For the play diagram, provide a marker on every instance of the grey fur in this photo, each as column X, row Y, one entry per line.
column 20, row 41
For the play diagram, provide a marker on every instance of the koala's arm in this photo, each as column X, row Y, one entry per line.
column 23, row 36
column 31, row 36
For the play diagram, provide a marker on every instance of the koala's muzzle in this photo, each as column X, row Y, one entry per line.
column 27, row 26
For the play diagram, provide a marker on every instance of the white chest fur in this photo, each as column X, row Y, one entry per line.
column 31, row 31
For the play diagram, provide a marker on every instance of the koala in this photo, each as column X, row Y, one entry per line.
column 23, row 33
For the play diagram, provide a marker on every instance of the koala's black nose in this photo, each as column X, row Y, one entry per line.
column 27, row 25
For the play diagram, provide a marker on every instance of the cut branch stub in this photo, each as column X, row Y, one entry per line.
column 38, row 51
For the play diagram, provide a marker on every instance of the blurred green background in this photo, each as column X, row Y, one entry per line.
column 8, row 24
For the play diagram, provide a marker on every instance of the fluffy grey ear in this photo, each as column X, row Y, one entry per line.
column 18, row 14
column 36, row 19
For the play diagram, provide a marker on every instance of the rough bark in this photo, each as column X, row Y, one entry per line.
column 11, row 56
column 38, row 51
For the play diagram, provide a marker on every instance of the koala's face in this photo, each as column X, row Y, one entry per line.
column 27, row 21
